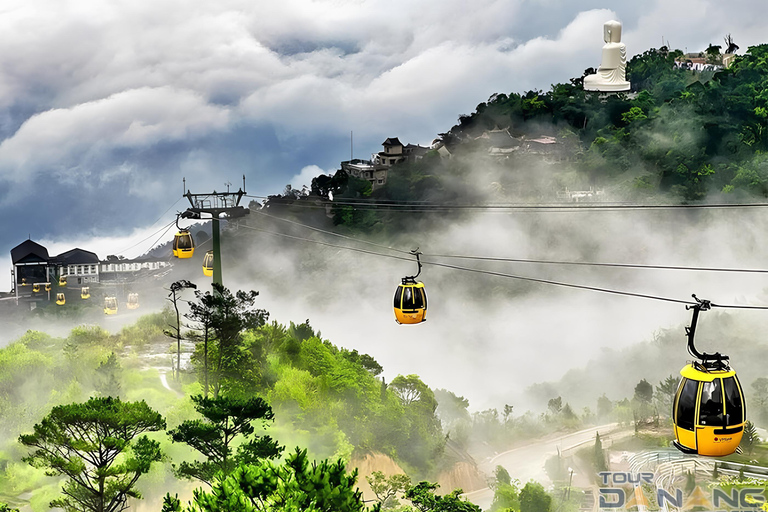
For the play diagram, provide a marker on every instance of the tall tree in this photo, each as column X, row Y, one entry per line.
column 533, row 498
column 665, row 393
column 108, row 376
column 230, row 315
column 386, row 488
column 93, row 445
column 410, row 389
column 202, row 315
column 227, row 421
column 750, row 438
column 175, row 332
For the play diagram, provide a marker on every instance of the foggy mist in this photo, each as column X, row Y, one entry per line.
column 489, row 338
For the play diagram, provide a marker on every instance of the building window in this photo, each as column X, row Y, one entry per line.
column 386, row 149
column 381, row 181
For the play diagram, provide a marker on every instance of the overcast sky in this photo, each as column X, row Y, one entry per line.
column 106, row 106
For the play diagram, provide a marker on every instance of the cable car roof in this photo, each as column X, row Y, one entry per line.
column 689, row 372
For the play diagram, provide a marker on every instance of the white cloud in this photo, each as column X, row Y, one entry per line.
column 63, row 138
column 304, row 178
column 142, row 93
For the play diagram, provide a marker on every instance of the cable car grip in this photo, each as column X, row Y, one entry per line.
column 717, row 360
column 412, row 279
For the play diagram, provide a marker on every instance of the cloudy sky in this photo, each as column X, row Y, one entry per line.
column 106, row 106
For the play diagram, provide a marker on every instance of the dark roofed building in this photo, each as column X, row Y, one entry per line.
column 80, row 266
column 29, row 252
column 392, row 142
column 414, row 152
column 31, row 265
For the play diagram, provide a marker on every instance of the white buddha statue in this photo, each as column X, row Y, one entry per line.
column 610, row 75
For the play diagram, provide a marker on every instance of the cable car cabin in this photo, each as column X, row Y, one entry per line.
column 47, row 287
column 208, row 264
column 410, row 302
column 110, row 305
column 35, row 288
column 709, row 411
column 61, row 299
column 85, row 293
column 62, row 280
column 183, row 245
column 133, row 301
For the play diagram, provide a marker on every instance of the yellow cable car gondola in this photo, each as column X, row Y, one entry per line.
column 47, row 287
column 61, row 299
column 709, row 410
column 208, row 264
column 133, row 301
column 35, row 287
column 411, row 298
column 85, row 293
column 62, row 280
column 110, row 305
column 183, row 245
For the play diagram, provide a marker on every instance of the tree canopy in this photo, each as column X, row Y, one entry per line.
column 228, row 421
column 95, row 445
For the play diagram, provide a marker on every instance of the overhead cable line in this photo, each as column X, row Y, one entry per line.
column 166, row 227
column 163, row 234
column 509, row 276
column 595, row 264
column 396, row 205
column 153, row 234
column 332, row 233
column 522, row 260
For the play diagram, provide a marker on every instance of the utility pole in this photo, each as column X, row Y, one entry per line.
column 215, row 204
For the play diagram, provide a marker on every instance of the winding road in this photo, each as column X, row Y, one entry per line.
column 527, row 462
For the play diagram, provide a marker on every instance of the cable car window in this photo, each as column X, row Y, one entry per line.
column 686, row 404
column 408, row 298
column 184, row 242
column 711, row 407
column 735, row 411
column 398, row 296
column 424, row 297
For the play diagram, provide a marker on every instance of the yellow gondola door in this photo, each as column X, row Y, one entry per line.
column 208, row 264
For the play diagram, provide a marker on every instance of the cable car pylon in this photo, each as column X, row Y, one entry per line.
column 216, row 204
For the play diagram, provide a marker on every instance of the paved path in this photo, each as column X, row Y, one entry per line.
column 527, row 462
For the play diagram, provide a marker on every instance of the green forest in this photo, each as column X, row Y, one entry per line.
column 679, row 136
column 267, row 417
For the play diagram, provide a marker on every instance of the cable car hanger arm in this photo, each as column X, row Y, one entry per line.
column 716, row 360
column 411, row 279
